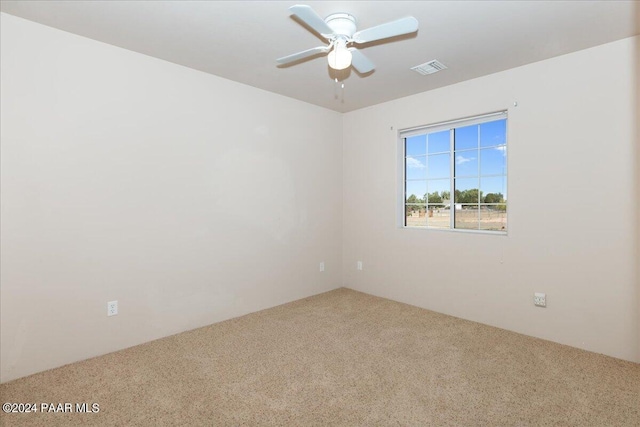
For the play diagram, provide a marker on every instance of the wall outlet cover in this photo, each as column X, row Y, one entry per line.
column 112, row 308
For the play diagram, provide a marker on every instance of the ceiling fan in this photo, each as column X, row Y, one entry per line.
column 340, row 31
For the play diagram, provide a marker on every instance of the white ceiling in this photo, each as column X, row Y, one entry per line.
column 240, row 40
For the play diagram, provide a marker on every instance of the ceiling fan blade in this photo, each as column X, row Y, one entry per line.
column 390, row 29
column 312, row 19
column 360, row 62
column 304, row 54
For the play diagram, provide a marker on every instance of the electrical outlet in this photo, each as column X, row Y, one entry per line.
column 112, row 308
column 359, row 265
column 540, row 299
column 322, row 266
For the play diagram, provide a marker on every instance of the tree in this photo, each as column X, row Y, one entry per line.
column 413, row 199
column 494, row 198
column 434, row 198
column 446, row 195
column 468, row 196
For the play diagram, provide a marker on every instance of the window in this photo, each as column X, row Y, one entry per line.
column 455, row 174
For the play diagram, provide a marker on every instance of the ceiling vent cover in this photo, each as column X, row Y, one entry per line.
column 429, row 67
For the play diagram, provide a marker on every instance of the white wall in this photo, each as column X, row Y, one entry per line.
column 573, row 221
column 186, row 197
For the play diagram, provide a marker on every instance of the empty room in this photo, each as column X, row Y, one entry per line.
column 325, row 213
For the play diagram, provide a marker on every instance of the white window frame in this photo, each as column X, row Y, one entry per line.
column 437, row 127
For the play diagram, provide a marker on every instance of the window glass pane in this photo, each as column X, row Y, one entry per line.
column 466, row 137
column 416, row 145
column 466, row 190
column 438, row 216
column 438, row 142
column 415, row 191
column 493, row 133
column 493, row 161
column 467, row 163
column 439, row 190
column 493, row 217
column 415, row 215
column 466, row 216
column 438, row 166
column 416, row 167
column 494, row 189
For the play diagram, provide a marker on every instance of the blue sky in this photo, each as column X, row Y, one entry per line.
column 480, row 160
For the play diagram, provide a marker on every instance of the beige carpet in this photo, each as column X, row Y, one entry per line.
column 340, row 358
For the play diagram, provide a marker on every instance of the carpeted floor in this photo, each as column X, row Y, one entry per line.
column 342, row 358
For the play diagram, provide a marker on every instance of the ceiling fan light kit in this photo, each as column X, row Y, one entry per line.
column 339, row 29
column 340, row 57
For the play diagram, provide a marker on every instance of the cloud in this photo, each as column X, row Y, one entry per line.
column 503, row 149
column 414, row 163
column 461, row 159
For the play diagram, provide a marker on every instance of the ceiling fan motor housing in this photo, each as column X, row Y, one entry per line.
column 342, row 24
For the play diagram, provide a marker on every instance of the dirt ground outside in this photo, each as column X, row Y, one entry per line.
column 470, row 219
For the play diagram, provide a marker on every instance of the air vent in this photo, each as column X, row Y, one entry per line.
column 429, row 67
